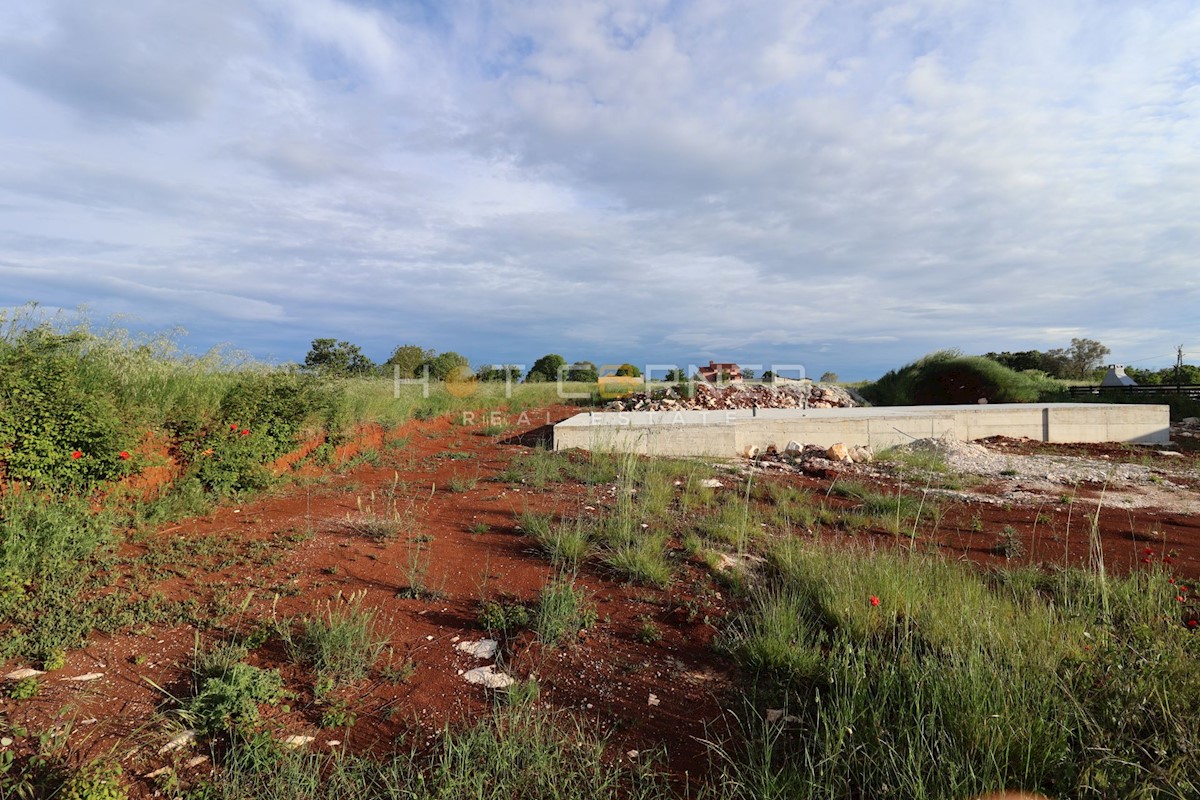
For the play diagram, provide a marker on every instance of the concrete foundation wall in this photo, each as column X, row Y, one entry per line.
column 725, row 434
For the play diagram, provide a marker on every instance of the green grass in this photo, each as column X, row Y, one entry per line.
column 953, row 685
column 340, row 645
column 562, row 611
column 520, row 752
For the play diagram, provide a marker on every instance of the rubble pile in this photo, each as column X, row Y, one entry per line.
column 707, row 397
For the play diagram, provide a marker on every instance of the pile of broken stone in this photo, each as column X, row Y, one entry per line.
column 1189, row 428
column 706, row 397
column 795, row 452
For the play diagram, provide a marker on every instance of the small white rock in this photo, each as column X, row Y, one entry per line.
column 91, row 676
column 652, row 700
column 180, row 740
column 711, row 483
column 23, row 673
column 295, row 741
column 195, row 761
column 157, row 772
column 488, row 677
column 482, row 649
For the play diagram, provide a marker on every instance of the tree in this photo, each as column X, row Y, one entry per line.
column 545, row 368
column 338, row 358
column 747, row 374
column 628, row 371
column 676, row 376
column 491, row 373
column 1021, row 361
column 409, row 358
column 583, row 372
column 444, row 365
column 829, row 377
column 768, row 377
column 1078, row 361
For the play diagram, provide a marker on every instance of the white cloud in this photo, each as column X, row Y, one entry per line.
column 664, row 180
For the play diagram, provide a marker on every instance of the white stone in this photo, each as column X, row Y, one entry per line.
column 195, row 761
column 23, row 673
column 483, row 649
column 794, row 447
column 488, row 677
column 652, row 700
column 90, row 676
column 711, row 483
column 296, row 741
column 180, row 740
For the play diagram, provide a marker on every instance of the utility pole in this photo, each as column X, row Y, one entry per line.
column 1178, row 366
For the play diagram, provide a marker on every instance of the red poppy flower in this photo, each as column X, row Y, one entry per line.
column 1170, row 580
column 1179, row 598
column 1145, row 560
column 1148, row 551
column 874, row 600
column 1167, row 559
column 1192, row 623
column 245, row 432
column 124, row 455
column 233, row 426
column 77, row 454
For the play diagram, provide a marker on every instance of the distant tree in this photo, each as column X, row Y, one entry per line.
column 748, row 374
column 628, row 371
column 768, row 376
column 829, row 377
column 409, row 358
column 1021, row 360
column 498, row 374
column 545, row 368
column 337, row 358
column 443, row 365
column 676, row 375
column 583, row 372
column 1078, row 361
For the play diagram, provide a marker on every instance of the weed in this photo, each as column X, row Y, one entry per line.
column 562, row 610
column 340, row 645
column 503, row 618
column 25, row 688
column 416, row 570
column 648, row 632
column 523, row 693
column 477, row 528
column 460, row 484
column 1009, row 543
column 399, row 671
column 338, row 715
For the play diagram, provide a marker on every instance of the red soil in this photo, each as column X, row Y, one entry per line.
column 607, row 676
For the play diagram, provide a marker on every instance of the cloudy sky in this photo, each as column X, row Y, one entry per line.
column 845, row 185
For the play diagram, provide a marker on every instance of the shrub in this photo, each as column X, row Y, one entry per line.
column 58, row 429
column 949, row 377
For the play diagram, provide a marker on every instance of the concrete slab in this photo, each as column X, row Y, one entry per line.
column 726, row 434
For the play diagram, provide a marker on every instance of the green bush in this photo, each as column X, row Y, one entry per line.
column 948, row 377
column 58, row 429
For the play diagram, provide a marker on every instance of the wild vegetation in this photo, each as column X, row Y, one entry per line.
column 858, row 669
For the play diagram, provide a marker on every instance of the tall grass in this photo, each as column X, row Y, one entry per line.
column 518, row 753
column 921, row 678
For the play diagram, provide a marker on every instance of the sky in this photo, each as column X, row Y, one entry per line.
column 842, row 185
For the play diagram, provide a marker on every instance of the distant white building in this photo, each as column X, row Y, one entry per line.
column 1116, row 376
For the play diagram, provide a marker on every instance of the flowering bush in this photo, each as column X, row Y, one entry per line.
column 57, row 431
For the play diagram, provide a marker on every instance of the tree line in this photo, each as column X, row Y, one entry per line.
column 340, row 358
